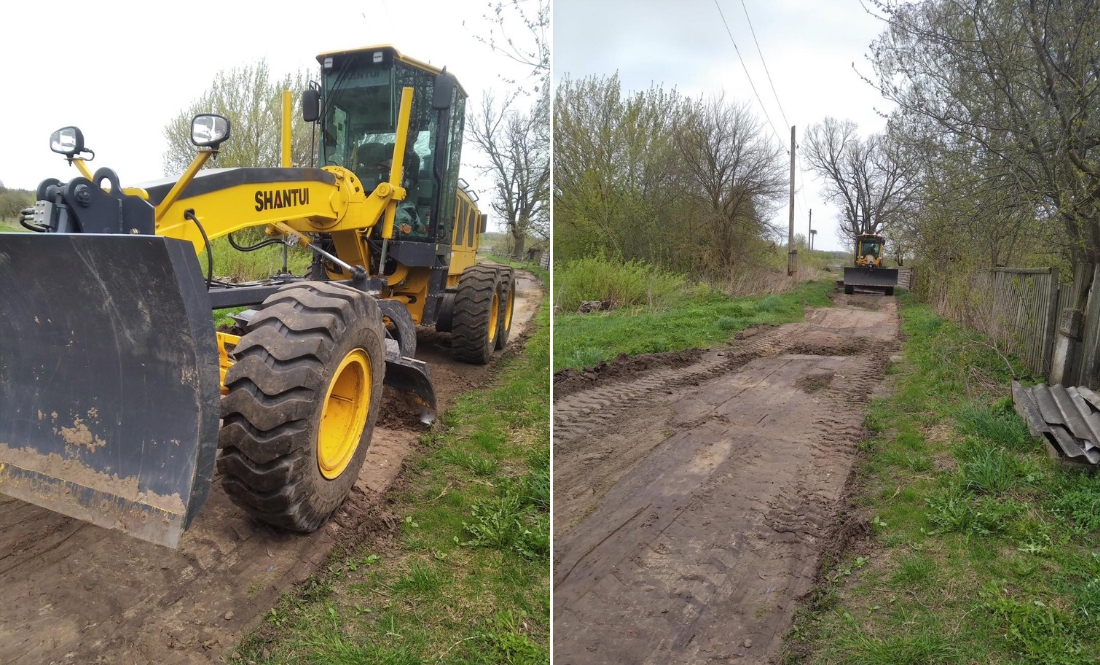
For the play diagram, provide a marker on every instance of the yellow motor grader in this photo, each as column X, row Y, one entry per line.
column 117, row 395
column 868, row 272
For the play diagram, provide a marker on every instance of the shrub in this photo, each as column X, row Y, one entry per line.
column 597, row 278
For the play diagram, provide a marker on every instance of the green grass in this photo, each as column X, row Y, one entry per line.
column 701, row 317
column 11, row 226
column 984, row 549
column 466, row 578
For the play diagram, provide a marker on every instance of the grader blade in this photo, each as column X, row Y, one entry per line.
column 109, row 391
column 411, row 377
column 877, row 278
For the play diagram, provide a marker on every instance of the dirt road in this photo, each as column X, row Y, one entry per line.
column 692, row 503
column 71, row 592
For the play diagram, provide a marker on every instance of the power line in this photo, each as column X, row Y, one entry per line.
column 764, row 62
column 743, row 66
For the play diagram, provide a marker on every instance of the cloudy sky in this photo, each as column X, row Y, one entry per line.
column 121, row 70
column 808, row 45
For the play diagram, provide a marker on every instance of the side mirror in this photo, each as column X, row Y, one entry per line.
column 311, row 105
column 209, row 130
column 67, row 141
column 442, row 92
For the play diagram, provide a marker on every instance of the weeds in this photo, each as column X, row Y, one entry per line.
column 597, row 278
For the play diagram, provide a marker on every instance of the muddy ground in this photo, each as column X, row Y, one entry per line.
column 71, row 592
column 692, row 502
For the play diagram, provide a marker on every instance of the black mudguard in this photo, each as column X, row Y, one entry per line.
column 109, row 385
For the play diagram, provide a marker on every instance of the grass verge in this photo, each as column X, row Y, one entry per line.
column 704, row 317
column 983, row 548
column 11, row 226
column 538, row 270
column 466, row 577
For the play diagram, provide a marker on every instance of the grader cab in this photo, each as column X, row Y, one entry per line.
column 117, row 396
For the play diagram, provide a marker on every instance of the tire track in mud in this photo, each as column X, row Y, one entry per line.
column 715, row 491
column 576, row 415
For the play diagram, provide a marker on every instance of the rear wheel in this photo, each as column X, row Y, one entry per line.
column 507, row 307
column 476, row 317
column 303, row 397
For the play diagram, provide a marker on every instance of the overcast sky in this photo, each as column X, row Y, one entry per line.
column 121, row 70
column 809, row 47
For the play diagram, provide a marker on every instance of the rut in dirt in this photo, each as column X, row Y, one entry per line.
column 692, row 503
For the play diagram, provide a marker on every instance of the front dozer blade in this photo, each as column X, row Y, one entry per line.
column 878, row 278
column 109, row 391
column 411, row 377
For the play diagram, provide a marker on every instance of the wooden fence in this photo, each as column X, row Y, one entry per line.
column 1017, row 308
column 1025, row 314
column 905, row 278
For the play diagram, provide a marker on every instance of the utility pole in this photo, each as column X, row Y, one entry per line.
column 810, row 234
column 792, row 253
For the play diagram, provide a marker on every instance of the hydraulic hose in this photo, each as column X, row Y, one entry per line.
column 253, row 248
column 190, row 214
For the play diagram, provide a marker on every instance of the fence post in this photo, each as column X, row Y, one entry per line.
column 1051, row 324
column 1086, row 370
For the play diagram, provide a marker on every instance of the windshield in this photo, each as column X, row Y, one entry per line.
column 360, row 130
column 869, row 247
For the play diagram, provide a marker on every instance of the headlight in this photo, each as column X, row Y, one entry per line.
column 67, row 141
column 209, row 130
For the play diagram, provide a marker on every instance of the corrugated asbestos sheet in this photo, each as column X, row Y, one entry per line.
column 1067, row 418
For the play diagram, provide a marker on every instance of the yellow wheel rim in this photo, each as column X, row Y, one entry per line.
column 494, row 317
column 347, row 403
column 511, row 306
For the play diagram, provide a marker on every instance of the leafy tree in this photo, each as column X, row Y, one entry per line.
column 251, row 97
column 1006, row 95
column 13, row 201
column 684, row 184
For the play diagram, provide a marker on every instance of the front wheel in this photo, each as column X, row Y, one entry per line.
column 303, row 397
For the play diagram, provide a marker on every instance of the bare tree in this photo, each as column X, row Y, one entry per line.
column 518, row 149
column 252, row 100
column 533, row 51
column 863, row 176
column 515, row 141
column 737, row 173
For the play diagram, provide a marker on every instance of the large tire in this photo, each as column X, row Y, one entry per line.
column 278, row 390
column 849, row 290
column 476, row 315
column 889, row 290
column 507, row 307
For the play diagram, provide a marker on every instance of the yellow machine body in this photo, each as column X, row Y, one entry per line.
column 122, row 369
